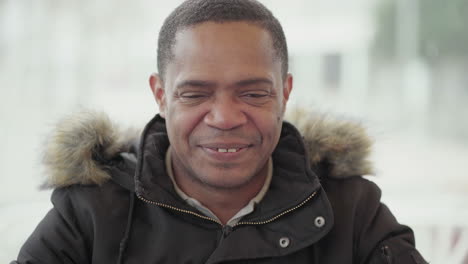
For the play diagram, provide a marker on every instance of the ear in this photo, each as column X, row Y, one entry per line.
column 157, row 88
column 287, row 88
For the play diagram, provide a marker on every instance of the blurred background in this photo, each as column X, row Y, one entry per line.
column 399, row 67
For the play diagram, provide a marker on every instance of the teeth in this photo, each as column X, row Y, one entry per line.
column 227, row 150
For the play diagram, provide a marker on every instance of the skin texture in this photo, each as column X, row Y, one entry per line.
column 223, row 89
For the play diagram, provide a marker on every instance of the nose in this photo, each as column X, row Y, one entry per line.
column 225, row 114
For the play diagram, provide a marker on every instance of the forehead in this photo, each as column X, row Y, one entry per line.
column 223, row 48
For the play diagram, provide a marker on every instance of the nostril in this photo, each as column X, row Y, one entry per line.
column 225, row 118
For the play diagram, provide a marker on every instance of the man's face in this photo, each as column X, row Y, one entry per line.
column 223, row 99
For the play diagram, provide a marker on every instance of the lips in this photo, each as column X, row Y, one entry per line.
column 224, row 145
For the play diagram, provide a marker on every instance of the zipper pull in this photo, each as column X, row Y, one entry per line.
column 227, row 229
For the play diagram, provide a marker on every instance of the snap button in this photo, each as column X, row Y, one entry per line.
column 284, row 242
column 319, row 221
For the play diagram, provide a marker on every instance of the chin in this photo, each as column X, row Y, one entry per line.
column 226, row 180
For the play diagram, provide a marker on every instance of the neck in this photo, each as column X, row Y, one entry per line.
column 223, row 202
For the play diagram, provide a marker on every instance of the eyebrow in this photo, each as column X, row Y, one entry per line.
column 195, row 83
column 248, row 82
column 201, row 83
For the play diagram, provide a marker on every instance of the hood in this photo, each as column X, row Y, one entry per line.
column 84, row 145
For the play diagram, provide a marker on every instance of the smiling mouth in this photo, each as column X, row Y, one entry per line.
column 230, row 150
column 219, row 148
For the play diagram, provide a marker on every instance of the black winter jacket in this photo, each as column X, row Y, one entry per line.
column 114, row 203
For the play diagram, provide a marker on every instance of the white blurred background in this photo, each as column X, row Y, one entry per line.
column 400, row 67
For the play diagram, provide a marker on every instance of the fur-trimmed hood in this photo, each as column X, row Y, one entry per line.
column 81, row 145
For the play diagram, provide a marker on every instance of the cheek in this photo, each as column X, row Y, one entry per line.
column 269, row 126
column 182, row 123
column 279, row 118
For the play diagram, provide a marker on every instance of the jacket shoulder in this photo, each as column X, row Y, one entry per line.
column 353, row 190
column 89, row 204
column 376, row 234
column 85, row 220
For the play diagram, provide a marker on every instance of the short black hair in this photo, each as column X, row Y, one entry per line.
column 192, row 12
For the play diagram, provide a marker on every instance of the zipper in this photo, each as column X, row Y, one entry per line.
column 278, row 215
column 179, row 210
column 239, row 223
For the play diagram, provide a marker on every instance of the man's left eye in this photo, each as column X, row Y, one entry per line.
column 253, row 95
column 256, row 98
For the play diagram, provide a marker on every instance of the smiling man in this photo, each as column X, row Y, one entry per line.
column 217, row 176
column 223, row 111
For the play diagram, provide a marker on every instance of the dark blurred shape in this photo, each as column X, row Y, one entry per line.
column 331, row 71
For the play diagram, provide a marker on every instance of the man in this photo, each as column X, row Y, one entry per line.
column 217, row 176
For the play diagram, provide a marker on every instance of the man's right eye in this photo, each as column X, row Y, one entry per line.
column 192, row 95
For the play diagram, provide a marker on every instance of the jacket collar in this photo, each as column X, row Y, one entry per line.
column 293, row 180
column 85, row 145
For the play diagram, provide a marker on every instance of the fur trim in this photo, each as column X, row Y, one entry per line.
column 82, row 143
column 77, row 143
column 344, row 145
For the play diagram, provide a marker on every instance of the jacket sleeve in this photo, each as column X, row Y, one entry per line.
column 380, row 238
column 58, row 238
